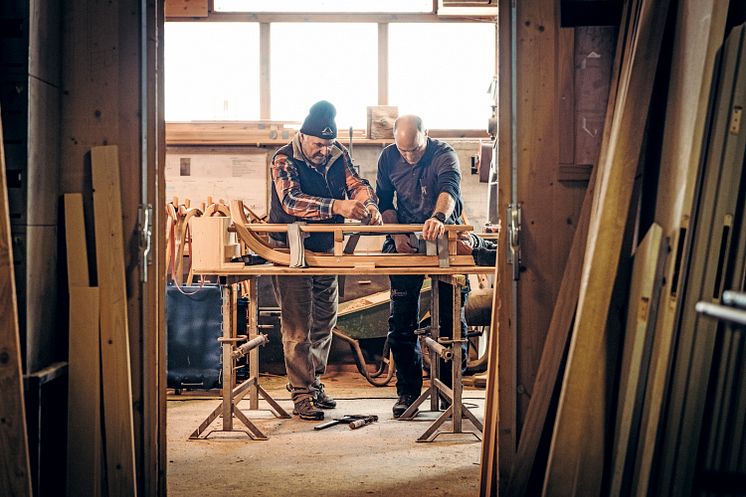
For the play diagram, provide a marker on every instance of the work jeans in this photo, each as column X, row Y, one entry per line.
column 309, row 312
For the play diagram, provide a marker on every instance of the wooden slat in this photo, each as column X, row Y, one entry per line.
column 84, row 456
column 576, row 459
column 15, row 470
column 488, row 481
column 75, row 242
column 643, row 301
column 115, row 353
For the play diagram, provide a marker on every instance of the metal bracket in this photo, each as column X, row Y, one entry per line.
column 514, row 239
column 145, row 228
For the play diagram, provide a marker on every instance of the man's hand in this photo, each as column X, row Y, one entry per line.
column 350, row 209
column 464, row 244
column 432, row 229
column 402, row 244
column 374, row 218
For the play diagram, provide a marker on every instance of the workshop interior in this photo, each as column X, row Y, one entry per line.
column 372, row 247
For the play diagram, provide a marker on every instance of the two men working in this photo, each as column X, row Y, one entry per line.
column 315, row 182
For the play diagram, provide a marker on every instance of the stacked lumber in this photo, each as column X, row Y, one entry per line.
column 100, row 389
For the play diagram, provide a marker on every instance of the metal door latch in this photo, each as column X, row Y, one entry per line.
column 514, row 239
column 145, row 228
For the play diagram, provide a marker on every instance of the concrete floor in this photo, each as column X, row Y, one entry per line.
column 382, row 459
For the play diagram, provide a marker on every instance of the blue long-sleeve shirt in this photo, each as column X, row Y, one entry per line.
column 417, row 187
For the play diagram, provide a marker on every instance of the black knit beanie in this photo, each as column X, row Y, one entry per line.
column 320, row 121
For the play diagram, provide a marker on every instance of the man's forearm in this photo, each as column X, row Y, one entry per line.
column 445, row 204
column 389, row 216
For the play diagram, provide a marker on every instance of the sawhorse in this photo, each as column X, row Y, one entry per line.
column 233, row 394
column 456, row 411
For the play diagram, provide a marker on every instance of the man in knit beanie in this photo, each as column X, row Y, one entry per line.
column 314, row 182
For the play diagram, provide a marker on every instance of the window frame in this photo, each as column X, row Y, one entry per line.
column 266, row 19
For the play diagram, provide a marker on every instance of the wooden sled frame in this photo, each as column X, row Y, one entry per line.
column 248, row 233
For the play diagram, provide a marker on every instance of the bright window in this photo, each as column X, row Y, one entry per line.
column 324, row 6
column 442, row 72
column 324, row 61
column 211, row 71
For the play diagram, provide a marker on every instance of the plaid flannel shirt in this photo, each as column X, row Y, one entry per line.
column 296, row 203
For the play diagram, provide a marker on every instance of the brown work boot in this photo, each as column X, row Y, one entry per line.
column 322, row 399
column 306, row 409
column 403, row 404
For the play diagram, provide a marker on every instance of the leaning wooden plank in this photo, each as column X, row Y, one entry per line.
column 84, row 395
column 115, row 353
column 75, row 242
column 641, row 311
column 15, row 471
column 576, row 459
column 488, row 481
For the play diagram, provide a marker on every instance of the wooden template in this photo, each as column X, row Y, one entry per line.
column 15, row 469
column 115, row 352
column 699, row 35
column 84, row 456
column 647, row 276
column 576, row 459
column 709, row 267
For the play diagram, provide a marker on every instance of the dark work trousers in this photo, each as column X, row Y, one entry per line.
column 403, row 321
column 309, row 313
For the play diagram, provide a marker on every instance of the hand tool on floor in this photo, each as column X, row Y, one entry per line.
column 353, row 420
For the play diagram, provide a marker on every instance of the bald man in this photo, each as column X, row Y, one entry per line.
column 424, row 176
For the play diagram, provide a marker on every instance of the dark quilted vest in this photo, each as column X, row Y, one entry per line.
column 312, row 182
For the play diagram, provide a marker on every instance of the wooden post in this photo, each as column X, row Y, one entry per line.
column 15, row 468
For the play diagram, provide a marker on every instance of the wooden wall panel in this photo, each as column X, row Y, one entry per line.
column 538, row 162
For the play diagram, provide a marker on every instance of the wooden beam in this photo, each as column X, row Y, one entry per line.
column 115, row 352
column 15, row 469
column 186, row 8
column 383, row 63
column 576, row 458
column 265, row 78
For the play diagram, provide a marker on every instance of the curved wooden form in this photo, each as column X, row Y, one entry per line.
column 248, row 233
column 219, row 209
